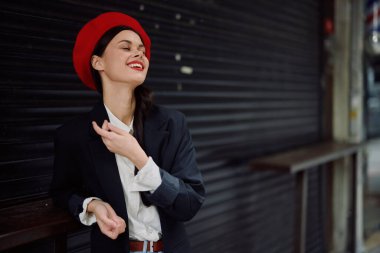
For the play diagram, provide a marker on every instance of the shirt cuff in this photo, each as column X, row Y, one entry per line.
column 87, row 218
column 148, row 178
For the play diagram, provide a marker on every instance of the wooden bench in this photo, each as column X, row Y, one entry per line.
column 298, row 162
column 29, row 222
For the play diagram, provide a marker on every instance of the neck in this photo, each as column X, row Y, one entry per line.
column 121, row 102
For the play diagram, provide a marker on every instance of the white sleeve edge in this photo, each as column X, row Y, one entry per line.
column 87, row 218
column 148, row 178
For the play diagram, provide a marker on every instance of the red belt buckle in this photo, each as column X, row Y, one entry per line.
column 151, row 246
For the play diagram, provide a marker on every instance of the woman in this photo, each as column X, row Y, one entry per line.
column 127, row 168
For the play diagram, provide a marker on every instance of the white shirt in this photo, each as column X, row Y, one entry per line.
column 144, row 222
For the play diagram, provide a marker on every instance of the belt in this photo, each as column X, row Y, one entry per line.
column 152, row 246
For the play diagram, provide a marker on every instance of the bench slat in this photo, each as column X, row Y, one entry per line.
column 32, row 221
column 305, row 157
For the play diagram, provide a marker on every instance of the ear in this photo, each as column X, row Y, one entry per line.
column 97, row 62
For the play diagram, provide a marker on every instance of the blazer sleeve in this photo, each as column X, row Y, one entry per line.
column 182, row 190
column 66, row 187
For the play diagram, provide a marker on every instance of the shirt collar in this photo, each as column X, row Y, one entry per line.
column 118, row 123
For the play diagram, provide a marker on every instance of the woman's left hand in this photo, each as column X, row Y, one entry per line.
column 121, row 142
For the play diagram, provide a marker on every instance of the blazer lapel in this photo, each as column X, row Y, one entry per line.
column 154, row 135
column 105, row 163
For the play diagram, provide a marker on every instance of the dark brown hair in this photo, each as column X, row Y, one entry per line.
column 143, row 95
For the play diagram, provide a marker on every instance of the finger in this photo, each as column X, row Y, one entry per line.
column 99, row 130
column 117, row 219
column 120, row 221
column 122, row 225
column 111, row 233
column 109, row 223
column 114, row 235
column 105, row 125
column 94, row 124
column 116, row 129
column 111, row 213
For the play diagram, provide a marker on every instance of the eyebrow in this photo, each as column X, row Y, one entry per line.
column 130, row 42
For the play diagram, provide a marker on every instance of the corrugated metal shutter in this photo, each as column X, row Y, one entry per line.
column 317, row 211
column 254, row 89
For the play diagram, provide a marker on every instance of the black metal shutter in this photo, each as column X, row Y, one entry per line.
column 246, row 74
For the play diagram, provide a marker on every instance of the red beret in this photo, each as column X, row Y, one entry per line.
column 89, row 36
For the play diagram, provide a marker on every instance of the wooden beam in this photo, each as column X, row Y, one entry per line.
column 305, row 158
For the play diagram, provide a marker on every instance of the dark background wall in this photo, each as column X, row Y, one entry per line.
column 254, row 89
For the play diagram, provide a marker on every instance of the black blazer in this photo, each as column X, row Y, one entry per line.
column 84, row 167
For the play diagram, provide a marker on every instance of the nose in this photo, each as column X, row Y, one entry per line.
column 137, row 54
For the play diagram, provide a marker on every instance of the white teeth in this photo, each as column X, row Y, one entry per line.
column 135, row 65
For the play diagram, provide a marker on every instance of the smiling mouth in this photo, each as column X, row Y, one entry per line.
column 136, row 66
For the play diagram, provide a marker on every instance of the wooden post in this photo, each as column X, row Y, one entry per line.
column 340, row 205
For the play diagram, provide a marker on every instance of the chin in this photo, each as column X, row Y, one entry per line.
column 136, row 83
column 136, row 79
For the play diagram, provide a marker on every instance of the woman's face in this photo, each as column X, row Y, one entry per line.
column 123, row 60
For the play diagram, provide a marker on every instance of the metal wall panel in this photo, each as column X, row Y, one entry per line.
column 254, row 89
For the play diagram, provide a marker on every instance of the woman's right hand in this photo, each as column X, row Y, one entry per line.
column 109, row 223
